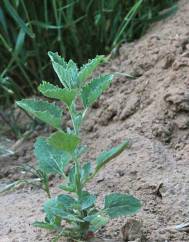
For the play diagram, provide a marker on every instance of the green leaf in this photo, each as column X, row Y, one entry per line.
column 81, row 150
column 63, row 94
column 13, row 13
column 45, row 25
column 3, row 21
column 92, row 91
column 77, row 119
column 50, row 160
column 87, row 69
column 107, row 156
column 67, row 188
column 66, row 72
column 57, row 59
column 72, row 74
column 64, row 141
column 117, row 205
column 55, row 207
column 66, row 201
column 59, row 66
column 71, row 186
column 50, row 216
column 87, row 200
column 44, row 225
column 46, row 112
column 50, row 208
column 96, row 221
column 86, row 171
column 20, row 42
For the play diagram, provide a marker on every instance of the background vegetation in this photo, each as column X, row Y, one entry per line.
column 77, row 29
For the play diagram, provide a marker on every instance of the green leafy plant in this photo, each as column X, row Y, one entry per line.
column 63, row 148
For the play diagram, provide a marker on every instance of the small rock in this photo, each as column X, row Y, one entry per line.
column 163, row 132
column 27, row 158
column 17, row 144
column 185, row 54
column 130, row 107
column 107, row 114
column 89, row 125
column 137, row 71
column 132, row 231
column 182, row 121
column 121, row 173
column 100, row 179
column 168, row 61
column 95, row 105
column 178, row 98
column 184, row 61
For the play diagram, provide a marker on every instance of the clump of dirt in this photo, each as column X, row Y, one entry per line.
column 152, row 111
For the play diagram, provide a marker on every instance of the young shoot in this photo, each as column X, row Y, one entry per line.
column 75, row 205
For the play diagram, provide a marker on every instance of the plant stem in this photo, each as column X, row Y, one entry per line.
column 78, row 180
column 46, row 186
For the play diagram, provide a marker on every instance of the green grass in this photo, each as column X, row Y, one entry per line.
column 77, row 29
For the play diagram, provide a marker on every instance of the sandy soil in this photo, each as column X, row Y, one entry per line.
column 152, row 111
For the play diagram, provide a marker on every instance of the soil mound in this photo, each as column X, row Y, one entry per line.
column 156, row 103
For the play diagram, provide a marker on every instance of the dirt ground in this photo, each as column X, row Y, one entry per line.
column 152, row 111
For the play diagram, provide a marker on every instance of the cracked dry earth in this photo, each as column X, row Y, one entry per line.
column 152, row 111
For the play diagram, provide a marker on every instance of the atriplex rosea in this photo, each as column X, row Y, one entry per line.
column 75, row 205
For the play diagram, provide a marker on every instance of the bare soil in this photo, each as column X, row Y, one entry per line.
column 152, row 111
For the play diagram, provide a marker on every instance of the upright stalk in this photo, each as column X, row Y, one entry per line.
column 78, row 179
